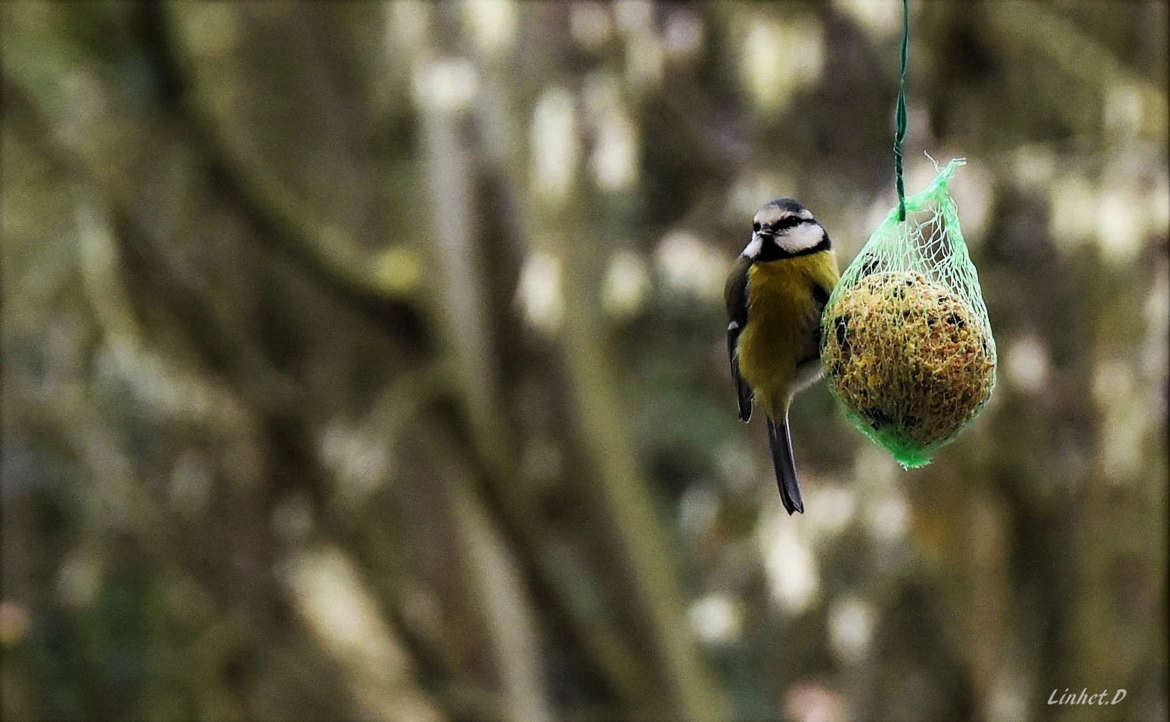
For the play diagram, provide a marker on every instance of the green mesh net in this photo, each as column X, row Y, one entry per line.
column 905, row 340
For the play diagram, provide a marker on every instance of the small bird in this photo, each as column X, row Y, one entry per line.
column 775, row 294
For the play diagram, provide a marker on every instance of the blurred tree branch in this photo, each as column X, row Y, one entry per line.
column 224, row 352
column 1075, row 52
column 221, row 350
column 643, row 554
column 468, row 328
column 283, row 224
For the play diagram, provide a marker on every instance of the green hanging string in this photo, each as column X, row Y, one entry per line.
column 900, row 112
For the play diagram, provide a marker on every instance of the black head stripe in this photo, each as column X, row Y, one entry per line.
column 773, row 252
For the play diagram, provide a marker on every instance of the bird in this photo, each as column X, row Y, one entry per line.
column 775, row 294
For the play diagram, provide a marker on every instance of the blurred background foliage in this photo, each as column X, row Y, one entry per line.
column 367, row 360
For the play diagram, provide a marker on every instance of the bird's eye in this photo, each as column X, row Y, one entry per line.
column 756, row 226
column 789, row 222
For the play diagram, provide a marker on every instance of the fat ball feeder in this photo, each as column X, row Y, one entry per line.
column 906, row 344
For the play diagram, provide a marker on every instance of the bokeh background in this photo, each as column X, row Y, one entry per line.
column 368, row 361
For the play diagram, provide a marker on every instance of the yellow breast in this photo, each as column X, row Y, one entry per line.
column 782, row 323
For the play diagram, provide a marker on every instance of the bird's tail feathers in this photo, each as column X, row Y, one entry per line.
column 782, row 459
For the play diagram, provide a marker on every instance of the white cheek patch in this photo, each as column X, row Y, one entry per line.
column 752, row 249
column 801, row 238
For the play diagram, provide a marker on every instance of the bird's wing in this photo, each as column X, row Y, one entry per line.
column 735, row 293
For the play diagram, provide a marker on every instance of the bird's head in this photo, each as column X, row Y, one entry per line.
column 782, row 229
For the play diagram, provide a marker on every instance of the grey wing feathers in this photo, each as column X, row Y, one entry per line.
column 743, row 393
column 736, row 296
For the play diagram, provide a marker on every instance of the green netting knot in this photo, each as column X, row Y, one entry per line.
column 905, row 340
